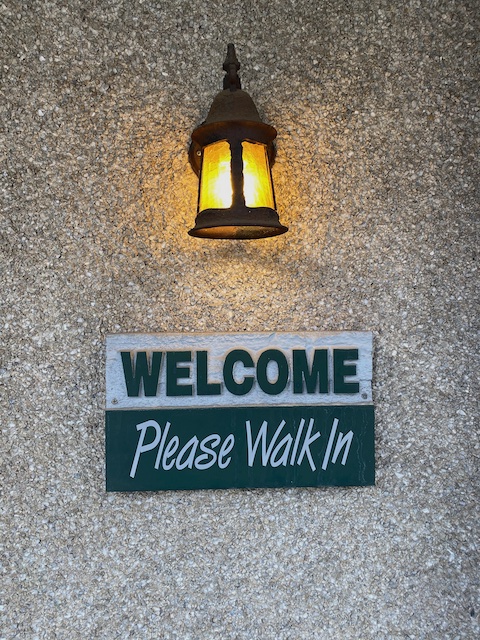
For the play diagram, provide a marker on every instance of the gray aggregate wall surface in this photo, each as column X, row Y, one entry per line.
column 376, row 107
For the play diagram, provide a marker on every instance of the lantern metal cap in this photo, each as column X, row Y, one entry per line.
column 232, row 112
column 232, row 105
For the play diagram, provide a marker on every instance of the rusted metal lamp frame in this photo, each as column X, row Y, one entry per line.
column 233, row 117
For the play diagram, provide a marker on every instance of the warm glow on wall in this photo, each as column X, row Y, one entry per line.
column 232, row 152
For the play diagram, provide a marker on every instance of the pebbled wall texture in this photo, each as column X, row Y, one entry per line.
column 375, row 104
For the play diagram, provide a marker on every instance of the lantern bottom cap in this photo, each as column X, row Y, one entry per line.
column 237, row 232
column 241, row 224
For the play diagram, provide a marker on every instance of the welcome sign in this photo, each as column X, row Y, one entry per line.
column 212, row 411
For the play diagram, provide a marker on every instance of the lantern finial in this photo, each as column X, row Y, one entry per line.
column 231, row 66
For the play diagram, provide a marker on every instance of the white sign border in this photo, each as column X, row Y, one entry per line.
column 218, row 345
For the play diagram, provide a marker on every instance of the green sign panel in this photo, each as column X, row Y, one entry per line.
column 226, row 447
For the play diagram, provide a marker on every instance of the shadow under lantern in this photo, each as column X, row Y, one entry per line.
column 232, row 152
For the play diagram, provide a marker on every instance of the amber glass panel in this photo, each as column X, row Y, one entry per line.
column 216, row 181
column 257, row 183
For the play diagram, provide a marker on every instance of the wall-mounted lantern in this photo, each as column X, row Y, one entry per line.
column 232, row 152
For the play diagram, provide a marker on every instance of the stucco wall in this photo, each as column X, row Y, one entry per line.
column 375, row 106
